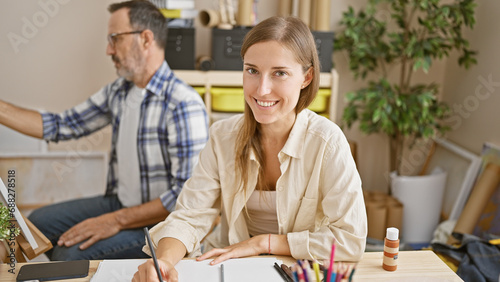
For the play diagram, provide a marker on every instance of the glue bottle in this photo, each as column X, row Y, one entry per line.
column 391, row 249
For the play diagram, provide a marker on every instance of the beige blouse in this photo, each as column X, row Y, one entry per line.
column 318, row 195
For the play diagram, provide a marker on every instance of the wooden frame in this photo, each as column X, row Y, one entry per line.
column 462, row 167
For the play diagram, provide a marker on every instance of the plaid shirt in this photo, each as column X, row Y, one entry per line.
column 173, row 128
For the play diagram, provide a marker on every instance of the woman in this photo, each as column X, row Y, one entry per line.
column 281, row 177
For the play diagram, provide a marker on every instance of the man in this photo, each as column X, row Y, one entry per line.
column 159, row 125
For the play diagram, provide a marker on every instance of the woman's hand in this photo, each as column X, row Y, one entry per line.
column 147, row 272
column 251, row 247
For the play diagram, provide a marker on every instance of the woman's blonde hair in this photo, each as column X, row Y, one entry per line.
column 294, row 35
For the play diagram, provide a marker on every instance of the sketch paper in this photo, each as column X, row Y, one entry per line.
column 116, row 270
column 189, row 270
column 20, row 220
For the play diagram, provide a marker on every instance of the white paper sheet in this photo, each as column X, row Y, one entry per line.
column 240, row 270
column 116, row 270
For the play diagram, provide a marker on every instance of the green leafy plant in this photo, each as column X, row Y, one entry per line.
column 5, row 224
column 404, row 36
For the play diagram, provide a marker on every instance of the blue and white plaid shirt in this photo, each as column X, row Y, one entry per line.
column 173, row 128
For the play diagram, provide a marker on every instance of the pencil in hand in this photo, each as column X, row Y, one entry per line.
column 150, row 243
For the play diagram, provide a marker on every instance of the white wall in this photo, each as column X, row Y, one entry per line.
column 53, row 54
column 60, row 59
column 63, row 62
column 474, row 94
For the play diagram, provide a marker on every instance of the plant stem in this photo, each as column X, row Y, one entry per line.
column 396, row 152
column 406, row 63
column 382, row 67
column 392, row 154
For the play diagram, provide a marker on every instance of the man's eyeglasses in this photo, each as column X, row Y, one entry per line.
column 112, row 36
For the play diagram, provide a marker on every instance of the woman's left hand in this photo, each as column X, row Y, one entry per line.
column 251, row 247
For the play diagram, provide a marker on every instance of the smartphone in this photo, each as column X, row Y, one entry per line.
column 54, row 270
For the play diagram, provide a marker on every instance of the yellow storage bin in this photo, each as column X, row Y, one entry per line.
column 320, row 103
column 232, row 100
column 227, row 99
column 325, row 115
column 200, row 90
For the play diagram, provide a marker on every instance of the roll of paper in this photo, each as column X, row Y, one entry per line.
column 323, row 15
column 285, row 8
column 394, row 214
column 209, row 18
column 223, row 12
column 313, row 16
column 377, row 214
column 244, row 12
column 305, row 11
column 482, row 191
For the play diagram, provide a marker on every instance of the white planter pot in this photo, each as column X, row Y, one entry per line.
column 422, row 198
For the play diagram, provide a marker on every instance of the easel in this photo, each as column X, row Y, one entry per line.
column 23, row 248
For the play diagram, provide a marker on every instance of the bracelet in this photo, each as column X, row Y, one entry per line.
column 269, row 249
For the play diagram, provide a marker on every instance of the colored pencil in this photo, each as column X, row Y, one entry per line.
column 330, row 268
column 316, row 270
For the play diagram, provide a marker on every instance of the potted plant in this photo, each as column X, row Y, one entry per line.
column 420, row 31
column 386, row 53
column 6, row 230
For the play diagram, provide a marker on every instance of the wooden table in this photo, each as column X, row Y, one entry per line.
column 413, row 266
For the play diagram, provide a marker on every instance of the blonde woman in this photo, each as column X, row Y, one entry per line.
column 281, row 177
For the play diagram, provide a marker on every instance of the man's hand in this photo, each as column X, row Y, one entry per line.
column 109, row 224
column 92, row 230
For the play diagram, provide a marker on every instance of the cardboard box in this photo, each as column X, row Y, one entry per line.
column 226, row 47
column 324, row 45
column 179, row 52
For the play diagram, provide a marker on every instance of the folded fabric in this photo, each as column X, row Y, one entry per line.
column 479, row 260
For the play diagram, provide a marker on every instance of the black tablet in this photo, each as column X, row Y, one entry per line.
column 54, row 270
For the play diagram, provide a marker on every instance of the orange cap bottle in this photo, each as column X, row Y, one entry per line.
column 391, row 249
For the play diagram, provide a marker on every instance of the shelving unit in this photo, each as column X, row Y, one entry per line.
column 210, row 79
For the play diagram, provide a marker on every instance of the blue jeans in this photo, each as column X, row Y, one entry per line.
column 54, row 220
